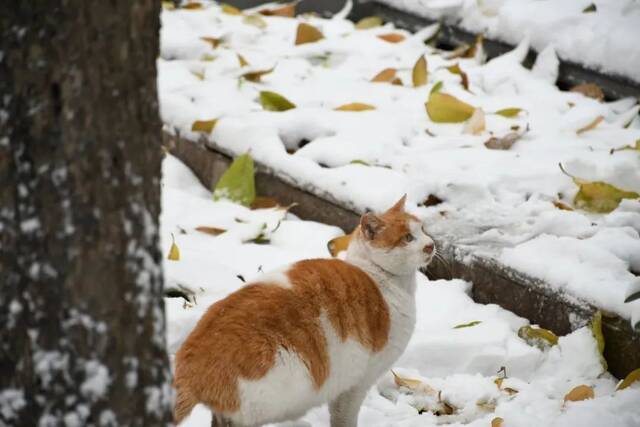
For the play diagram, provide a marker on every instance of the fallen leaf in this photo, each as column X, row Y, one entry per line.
column 590, row 90
column 476, row 124
column 579, row 393
column 632, row 377
column 355, row 106
column 213, row 41
column 634, row 296
column 339, row 244
column 243, row 62
column 592, row 125
column 198, row 74
column 205, row 126
column 409, row 383
column 391, row 37
column 510, row 390
column 359, row 162
column 272, row 101
column 503, row 143
column 256, row 76
column 590, row 9
column 467, row 51
column 635, row 147
column 509, row 112
column 467, row 325
column 238, row 182
column 444, row 108
column 368, row 22
column 396, row 81
column 596, row 331
column 498, row 382
column 497, row 422
column 214, row 231
column 255, row 21
column 288, row 10
column 168, row 5
column 436, row 88
column 230, row 10
column 191, row 6
column 386, row 75
column 537, row 336
column 432, row 200
column 307, row 34
column 455, row 69
column 174, row 252
column 419, row 74
column 207, row 58
column 262, row 202
column 562, row 206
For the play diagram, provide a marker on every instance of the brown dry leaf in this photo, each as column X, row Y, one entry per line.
column 192, row 6
column 592, row 125
column 476, row 124
column 243, row 62
column 497, row 422
column 307, row 33
column 420, row 73
column 355, row 106
column 287, row 10
column 562, row 206
column 386, row 75
column 214, row 231
column 396, row 81
column 213, row 41
column 339, row 244
column 230, row 10
column 635, row 147
column 579, row 393
column 502, row 143
column 409, row 383
column 174, row 252
column 590, row 90
column 444, row 108
column 467, row 51
column 256, row 76
column 205, row 126
column 391, row 37
column 498, row 382
column 262, row 202
column 368, row 22
column 455, row 69
column 632, row 377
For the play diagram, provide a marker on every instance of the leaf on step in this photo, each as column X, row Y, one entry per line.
column 632, row 377
column 445, row 108
column 339, row 244
column 238, row 182
column 590, row 90
column 419, row 73
column 592, row 125
column 256, row 76
column 368, row 22
column 468, row 325
column 386, row 75
column 634, row 296
column 174, row 252
column 205, row 126
column 590, row 9
column 243, row 62
column 355, row 106
column 579, row 393
column 455, row 69
column 168, row 5
column 504, row 142
column 509, row 112
column 213, row 41
column 391, row 37
column 497, row 422
column 538, row 337
column 598, row 196
column 214, row 231
column 287, row 10
column 436, row 88
column 230, row 10
column 562, row 206
column 192, row 6
column 476, row 124
column 596, row 331
column 272, row 101
column 255, row 21
column 307, row 33
column 262, row 202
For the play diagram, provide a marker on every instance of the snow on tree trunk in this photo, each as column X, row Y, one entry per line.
column 82, row 339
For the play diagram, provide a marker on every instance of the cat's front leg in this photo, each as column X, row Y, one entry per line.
column 344, row 409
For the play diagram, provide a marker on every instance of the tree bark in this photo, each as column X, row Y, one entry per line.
column 82, row 340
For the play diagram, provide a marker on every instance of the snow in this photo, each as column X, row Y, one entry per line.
column 462, row 364
column 604, row 40
column 499, row 203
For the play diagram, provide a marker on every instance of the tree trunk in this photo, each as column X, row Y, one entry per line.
column 82, row 340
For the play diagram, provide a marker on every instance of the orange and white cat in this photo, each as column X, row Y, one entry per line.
column 318, row 331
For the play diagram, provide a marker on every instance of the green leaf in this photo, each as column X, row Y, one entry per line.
column 205, row 126
column 468, row 325
column 444, row 108
column 509, row 112
column 272, row 101
column 589, row 9
column 538, row 337
column 632, row 377
column 436, row 88
column 369, row 22
column 359, row 162
column 238, row 182
column 596, row 331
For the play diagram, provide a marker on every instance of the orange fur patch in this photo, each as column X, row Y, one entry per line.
column 239, row 336
column 395, row 227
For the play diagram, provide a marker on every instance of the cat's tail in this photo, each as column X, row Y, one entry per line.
column 185, row 401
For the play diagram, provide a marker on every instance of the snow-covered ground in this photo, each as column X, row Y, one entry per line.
column 462, row 364
column 600, row 34
column 502, row 203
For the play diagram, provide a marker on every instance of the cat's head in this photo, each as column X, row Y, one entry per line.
column 396, row 240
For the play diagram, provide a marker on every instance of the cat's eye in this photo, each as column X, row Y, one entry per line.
column 409, row 238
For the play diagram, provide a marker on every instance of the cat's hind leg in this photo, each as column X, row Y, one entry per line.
column 344, row 409
column 220, row 421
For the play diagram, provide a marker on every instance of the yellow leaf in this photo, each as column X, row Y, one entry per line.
column 509, row 112
column 230, row 10
column 168, row 5
column 409, row 383
column 359, row 162
column 243, row 62
column 419, row 73
column 391, row 37
column 632, row 377
column 214, row 231
column 256, row 76
column 590, row 90
column 355, row 106
column 498, row 382
column 386, row 75
column 455, row 69
column 476, row 123
column 592, row 125
column 199, row 74
column 497, row 422
column 581, row 392
column 369, row 22
column 238, row 182
column 207, row 58
column 205, row 126
column 192, row 6
column 436, row 88
column 562, row 206
column 213, row 41
column 502, row 143
column 307, row 34
column 635, row 147
column 596, row 331
column 468, row 325
column 444, row 108
column 174, row 252
column 272, row 101
column 262, row 202
column 287, row 11
column 339, row 244
column 537, row 336
column 467, row 51
column 255, row 20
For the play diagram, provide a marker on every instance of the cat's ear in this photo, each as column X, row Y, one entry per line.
column 371, row 225
column 399, row 206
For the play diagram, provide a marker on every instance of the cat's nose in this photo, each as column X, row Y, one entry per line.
column 428, row 248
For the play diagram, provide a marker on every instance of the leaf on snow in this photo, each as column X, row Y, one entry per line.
column 205, row 126
column 238, row 182
column 355, row 106
column 168, row 5
column 503, row 143
column 192, row 6
column 287, row 10
column 579, row 393
column 455, row 69
column 596, row 331
column 509, row 112
column 368, row 22
column 562, row 206
column 419, row 74
column 635, row 147
column 214, row 231
column 272, row 101
column 230, row 10
column 590, row 90
column 213, row 41
column 256, row 76
column 255, row 21
column 592, row 125
column 307, row 34
column 497, row 422
column 436, row 88
column 538, row 337
column 243, row 62
column 199, row 74
column 589, row 9
column 174, row 252
column 476, row 124
column 339, row 244
column 444, row 108
column 409, row 383
column 359, row 162
column 391, row 37
column 468, row 325
column 386, row 75
column 634, row 296
column 632, row 377
column 467, row 51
